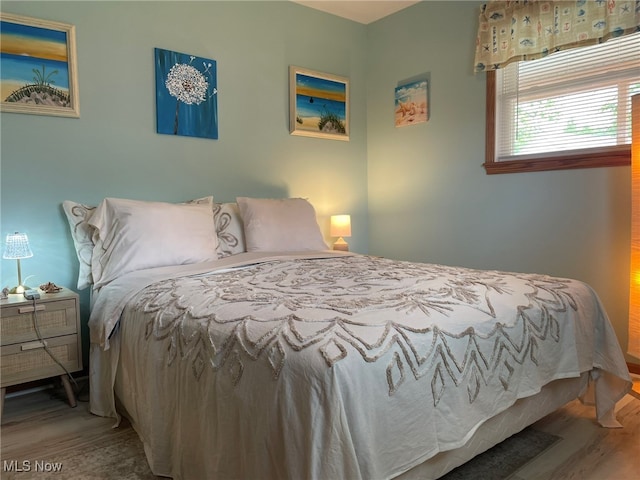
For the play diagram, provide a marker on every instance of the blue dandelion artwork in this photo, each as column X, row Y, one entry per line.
column 186, row 95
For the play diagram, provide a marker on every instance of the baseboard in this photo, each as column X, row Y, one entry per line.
column 633, row 368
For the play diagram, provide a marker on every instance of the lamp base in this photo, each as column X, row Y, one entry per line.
column 19, row 289
column 341, row 245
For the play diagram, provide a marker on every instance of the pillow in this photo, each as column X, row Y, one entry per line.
column 272, row 225
column 229, row 229
column 134, row 235
column 78, row 217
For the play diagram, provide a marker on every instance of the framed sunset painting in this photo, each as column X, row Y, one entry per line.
column 38, row 73
column 318, row 104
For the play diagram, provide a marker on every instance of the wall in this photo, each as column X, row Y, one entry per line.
column 113, row 150
column 430, row 198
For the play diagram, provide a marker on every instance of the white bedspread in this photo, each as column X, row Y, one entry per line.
column 325, row 365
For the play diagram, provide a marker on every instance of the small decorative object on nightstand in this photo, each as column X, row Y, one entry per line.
column 24, row 356
column 340, row 227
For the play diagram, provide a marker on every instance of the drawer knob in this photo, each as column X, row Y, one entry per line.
column 30, row 309
column 33, row 345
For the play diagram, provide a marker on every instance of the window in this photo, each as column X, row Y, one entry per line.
column 571, row 109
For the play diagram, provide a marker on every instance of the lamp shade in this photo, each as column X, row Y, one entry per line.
column 17, row 247
column 340, row 226
column 634, row 290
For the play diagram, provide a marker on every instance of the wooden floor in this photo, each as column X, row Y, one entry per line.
column 39, row 424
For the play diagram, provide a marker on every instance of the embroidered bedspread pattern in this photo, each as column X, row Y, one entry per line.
column 460, row 321
column 318, row 349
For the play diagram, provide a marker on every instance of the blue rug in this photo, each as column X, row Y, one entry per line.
column 503, row 460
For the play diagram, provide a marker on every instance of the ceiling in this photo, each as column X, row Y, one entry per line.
column 362, row 11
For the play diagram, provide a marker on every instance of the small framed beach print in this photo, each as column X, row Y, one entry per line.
column 318, row 104
column 38, row 67
column 412, row 102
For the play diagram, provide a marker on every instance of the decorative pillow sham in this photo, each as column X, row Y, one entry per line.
column 229, row 229
column 78, row 217
column 277, row 225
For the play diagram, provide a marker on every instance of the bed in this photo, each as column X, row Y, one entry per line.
column 252, row 351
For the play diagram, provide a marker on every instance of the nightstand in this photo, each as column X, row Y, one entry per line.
column 23, row 356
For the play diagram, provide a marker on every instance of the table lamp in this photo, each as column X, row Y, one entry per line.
column 340, row 227
column 17, row 247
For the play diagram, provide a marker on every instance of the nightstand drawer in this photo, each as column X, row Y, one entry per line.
column 54, row 319
column 27, row 361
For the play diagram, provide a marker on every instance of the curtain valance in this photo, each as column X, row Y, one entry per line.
column 510, row 31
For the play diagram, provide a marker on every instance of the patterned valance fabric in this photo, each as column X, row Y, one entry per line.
column 511, row 31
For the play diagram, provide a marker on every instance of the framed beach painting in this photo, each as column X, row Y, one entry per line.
column 412, row 102
column 186, row 95
column 318, row 104
column 38, row 72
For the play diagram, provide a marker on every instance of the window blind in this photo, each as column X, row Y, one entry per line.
column 572, row 100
